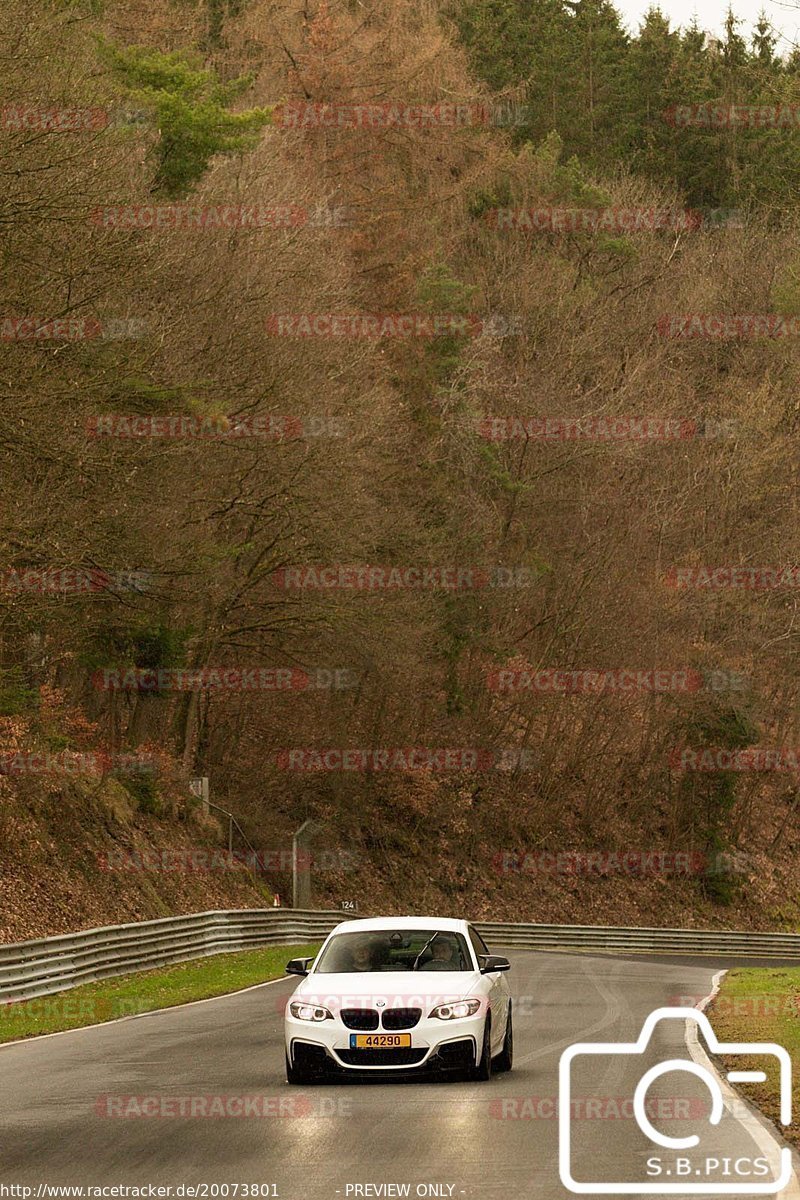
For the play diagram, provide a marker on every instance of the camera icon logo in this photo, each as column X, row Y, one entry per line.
column 698, row 1175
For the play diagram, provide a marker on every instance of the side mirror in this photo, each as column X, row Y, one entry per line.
column 298, row 966
column 493, row 962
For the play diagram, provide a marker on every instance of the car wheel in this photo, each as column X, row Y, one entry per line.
column 295, row 1075
column 483, row 1071
column 505, row 1059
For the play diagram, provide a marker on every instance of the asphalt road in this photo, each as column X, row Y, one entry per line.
column 317, row 1143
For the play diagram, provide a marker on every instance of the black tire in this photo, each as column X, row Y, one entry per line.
column 295, row 1075
column 505, row 1059
column 483, row 1071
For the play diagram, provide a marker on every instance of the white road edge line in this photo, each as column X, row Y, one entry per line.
column 760, row 1129
column 151, row 1012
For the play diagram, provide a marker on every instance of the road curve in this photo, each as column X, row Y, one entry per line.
column 332, row 1140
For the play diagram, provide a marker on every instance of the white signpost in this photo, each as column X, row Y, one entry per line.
column 199, row 788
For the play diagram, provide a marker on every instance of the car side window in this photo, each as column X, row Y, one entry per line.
column 478, row 944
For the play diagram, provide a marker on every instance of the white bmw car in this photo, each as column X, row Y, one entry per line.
column 399, row 994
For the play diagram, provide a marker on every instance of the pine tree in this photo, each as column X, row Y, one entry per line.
column 764, row 42
column 699, row 162
column 773, row 167
column 512, row 42
column 650, row 70
column 609, row 97
column 190, row 108
column 731, row 75
column 597, row 50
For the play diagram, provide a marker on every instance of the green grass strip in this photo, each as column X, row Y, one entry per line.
column 758, row 1004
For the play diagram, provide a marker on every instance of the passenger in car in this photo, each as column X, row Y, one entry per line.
column 363, row 956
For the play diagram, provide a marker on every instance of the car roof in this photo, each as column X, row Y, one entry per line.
column 374, row 924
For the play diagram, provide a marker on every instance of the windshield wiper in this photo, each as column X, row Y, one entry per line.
column 424, row 948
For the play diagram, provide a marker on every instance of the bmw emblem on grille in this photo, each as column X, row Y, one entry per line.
column 380, row 1004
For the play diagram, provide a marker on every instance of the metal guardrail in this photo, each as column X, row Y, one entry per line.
column 49, row 965
column 53, row 964
column 669, row 941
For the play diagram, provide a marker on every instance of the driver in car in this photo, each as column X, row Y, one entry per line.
column 442, row 957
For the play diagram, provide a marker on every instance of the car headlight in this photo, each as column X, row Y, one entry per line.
column 459, row 1008
column 310, row 1012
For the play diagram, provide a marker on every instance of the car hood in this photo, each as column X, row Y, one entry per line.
column 398, row 989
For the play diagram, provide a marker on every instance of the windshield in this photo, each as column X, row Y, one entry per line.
column 395, row 950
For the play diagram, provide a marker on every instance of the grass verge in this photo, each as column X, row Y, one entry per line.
column 93, row 1003
column 763, row 1005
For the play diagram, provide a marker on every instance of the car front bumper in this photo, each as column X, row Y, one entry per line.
column 439, row 1045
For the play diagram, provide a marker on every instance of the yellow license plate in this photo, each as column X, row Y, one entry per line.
column 379, row 1041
